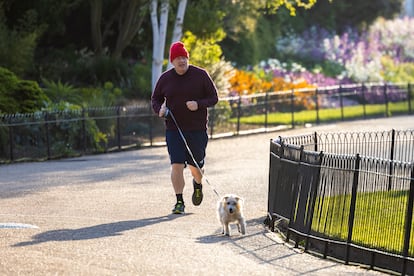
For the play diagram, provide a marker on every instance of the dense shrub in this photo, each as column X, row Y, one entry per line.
column 66, row 133
column 61, row 92
column 140, row 81
column 83, row 68
column 397, row 72
column 19, row 96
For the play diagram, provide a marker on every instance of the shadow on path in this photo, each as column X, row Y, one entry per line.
column 94, row 232
column 267, row 251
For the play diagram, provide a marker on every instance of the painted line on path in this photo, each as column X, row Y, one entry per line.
column 15, row 225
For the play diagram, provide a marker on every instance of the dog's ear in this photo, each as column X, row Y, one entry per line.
column 225, row 199
column 239, row 199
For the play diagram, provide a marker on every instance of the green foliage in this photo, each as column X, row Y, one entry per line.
column 329, row 68
column 340, row 15
column 66, row 133
column 207, row 53
column 204, row 52
column 326, row 115
column 203, row 18
column 275, row 5
column 141, row 80
column 17, row 46
column 104, row 68
column 61, row 92
column 29, row 96
column 83, row 68
column 221, row 113
column 19, row 95
column 250, row 47
column 397, row 72
column 107, row 95
column 8, row 81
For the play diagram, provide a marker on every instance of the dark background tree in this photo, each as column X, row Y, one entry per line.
column 88, row 43
column 340, row 15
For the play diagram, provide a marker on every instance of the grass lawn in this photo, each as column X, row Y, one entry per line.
column 326, row 115
column 379, row 219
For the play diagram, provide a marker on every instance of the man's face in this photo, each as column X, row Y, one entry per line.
column 180, row 65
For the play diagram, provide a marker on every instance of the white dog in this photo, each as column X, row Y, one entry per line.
column 230, row 210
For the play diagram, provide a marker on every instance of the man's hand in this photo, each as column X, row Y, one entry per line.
column 192, row 105
column 163, row 109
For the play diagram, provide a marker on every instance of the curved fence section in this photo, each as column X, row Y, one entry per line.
column 346, row 196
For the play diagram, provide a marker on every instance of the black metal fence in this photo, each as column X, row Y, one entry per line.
column 55, row 134
column 345, row 195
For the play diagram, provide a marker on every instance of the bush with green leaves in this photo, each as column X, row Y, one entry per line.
column 208, row 54
column 61, row 92
column 140, row 81
column 83, row 68
column 19, row 96
column 67, row 132
column 106, row 95
column 221, row 113
column 397, row 72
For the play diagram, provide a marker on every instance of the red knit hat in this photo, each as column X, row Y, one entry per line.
column 178, row 49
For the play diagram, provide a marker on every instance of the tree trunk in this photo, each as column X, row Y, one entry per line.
column 178, row 26
column 129, row 16
column 130, row 21
column 96, row 16
column 159, row 31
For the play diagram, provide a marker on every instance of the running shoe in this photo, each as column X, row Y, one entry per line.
column 197, row 194
column 178, row 208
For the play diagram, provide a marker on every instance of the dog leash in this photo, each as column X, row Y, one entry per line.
column 169, row 113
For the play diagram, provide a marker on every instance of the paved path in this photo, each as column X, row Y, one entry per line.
column 110, row 215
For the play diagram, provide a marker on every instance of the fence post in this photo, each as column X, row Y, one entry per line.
column 352, row 207
column 391, row 158
column 341, row 102
column 266, row 110
column 315, row 138
column 292, row 107
column 212, row 122
column 317, row 106
column 364, row 108
column 408, row 221
column 118, row 127
column 11, row 141
column 238, row 115
column 294, row 192
column 84, row 140
column 151, row 125
column 409, row 98
column 386, row 99
column 314, row 191
column 47, row 134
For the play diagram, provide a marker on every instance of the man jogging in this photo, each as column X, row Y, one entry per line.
column 186, row 91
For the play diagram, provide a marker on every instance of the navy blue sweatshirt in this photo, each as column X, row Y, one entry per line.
column 193, row 85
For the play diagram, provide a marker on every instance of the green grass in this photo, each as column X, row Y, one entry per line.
column 327, row 115
column 379, row 219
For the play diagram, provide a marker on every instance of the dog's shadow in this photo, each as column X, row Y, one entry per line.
column 218, row 236
column 94, row 232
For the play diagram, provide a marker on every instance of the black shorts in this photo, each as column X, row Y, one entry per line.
column 197, row 142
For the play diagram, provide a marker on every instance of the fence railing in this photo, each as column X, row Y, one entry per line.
column 342, row 195
column 56, row 134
